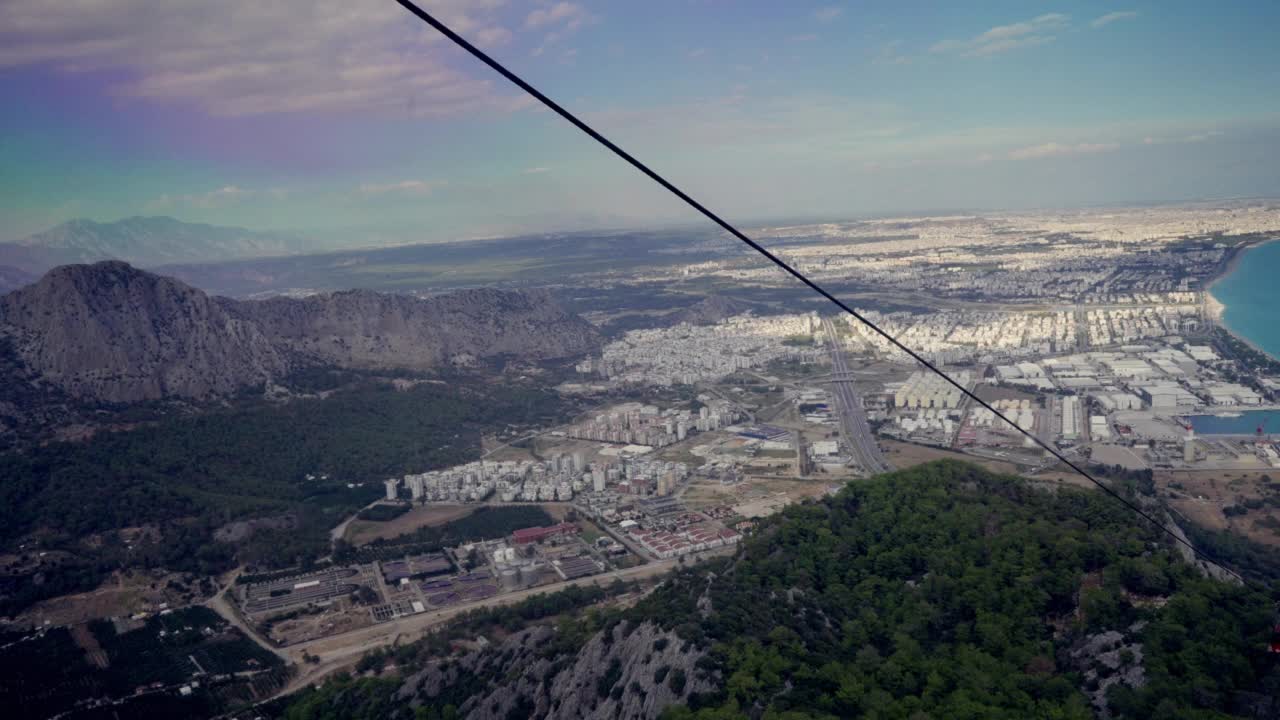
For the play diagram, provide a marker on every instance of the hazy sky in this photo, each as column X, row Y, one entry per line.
column 349, row 118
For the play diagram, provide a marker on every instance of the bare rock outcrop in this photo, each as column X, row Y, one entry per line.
column 1106, row 659
column 359, row 328
column 109, row 332
column 628, row 672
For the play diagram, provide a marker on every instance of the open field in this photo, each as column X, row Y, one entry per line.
column 122, row 594
column 992, row 393
column 1203, row 495
column 904, row 455
column 765, row 494
column 707, row 493
column 363, row 532
column 339, row 617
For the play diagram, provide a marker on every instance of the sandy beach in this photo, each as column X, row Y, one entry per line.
column 1215, row 308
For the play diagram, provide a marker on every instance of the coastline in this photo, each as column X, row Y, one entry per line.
column 1216, row 309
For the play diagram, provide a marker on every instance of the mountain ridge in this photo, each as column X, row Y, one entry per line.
column 113, row 333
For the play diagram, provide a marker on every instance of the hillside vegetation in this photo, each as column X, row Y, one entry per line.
column 942, row 591
column 946, row 592
column 181, row 480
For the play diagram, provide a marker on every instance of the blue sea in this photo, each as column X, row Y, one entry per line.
column 1252, row 297
column 1245, row 424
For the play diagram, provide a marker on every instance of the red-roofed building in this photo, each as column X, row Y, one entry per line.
column 524, row 536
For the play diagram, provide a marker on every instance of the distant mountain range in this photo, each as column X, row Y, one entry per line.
column 239, row 262
column 144, row 241
column 112, row 333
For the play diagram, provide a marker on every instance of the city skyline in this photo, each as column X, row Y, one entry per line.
column 352, row 124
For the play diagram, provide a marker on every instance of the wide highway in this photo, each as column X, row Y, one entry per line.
column 853, row 416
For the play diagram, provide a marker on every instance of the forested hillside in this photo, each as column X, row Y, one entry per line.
column 307, row 464
column 947, row 591
column 937, row 592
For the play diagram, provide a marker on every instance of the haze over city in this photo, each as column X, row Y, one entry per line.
column 347, row 123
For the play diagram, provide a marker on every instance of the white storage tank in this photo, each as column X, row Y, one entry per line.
column 509, row 578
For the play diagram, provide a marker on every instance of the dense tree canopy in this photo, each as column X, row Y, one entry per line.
column 945, row 592
column 186, row 477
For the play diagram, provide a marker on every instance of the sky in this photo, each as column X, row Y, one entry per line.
column 351, row 122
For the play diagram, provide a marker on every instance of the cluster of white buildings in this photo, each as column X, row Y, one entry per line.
column 995, row 337
column 928, row 390
column 965, row 336
column 640, row 476
column 555, row 480
column 687, row 354
column 1079, row 426
column 647, row 425
column 1122, row 325
column 1019, row 412
column 508, row 481
column 1069, row 256
column 938, row 423
column 1176, row 377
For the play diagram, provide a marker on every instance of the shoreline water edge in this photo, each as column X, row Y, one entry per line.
column 1217, row 309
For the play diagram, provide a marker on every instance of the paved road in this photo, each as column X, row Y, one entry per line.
column 340, row 531
column 221, row 605
column 751, row 417
column 509, row 443
column 853, row 417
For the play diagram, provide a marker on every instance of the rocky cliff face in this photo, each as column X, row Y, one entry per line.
column 110, row 332
column 630, row 673
column 359, row 328
column 113, row 333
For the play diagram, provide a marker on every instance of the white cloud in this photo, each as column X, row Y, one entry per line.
column 827, row 14
column 890, row 54
column 222, row 196
column 493, row 36
column 1003, row 38
column 403, row 187
column 248, row 57
column 1054, row 149
column 1114, row 16
column 559, row 21
column 536, row 170
column 1195, row 137
column 568, row 13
